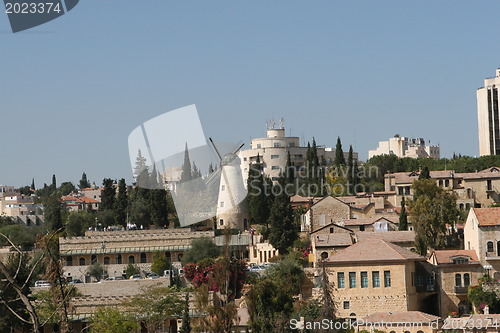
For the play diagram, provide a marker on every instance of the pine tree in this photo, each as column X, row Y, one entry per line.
column 187, row 173
column 339, row 153
column 140, row 164
column 84, row 183
column 121, row 204
column 403, row 218
column 186, row 319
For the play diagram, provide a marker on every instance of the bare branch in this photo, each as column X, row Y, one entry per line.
column 15, row 313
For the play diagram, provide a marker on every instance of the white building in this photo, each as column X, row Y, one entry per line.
column 273, row 152
column 405, row 147
column 488, row 116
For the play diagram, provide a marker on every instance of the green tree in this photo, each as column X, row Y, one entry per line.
column 84, row 183
column 282, row 229
column 66, row 188
column 132, row 269
column 112, row 320
column 54, row 182
column 187, row 173
column 108, row 195
column 121, row 203
column 140, row 165
column 96, row 270
column 186, row 319
column 201, row 248
column 431, row 210
column 78, row 222
column 257, row 201
column 53, row 213
column 425, row 174
column 339, row 153
column 403, row 217
column 33, row 184
column 155, row 305
column 160, row 264
column 158, row 207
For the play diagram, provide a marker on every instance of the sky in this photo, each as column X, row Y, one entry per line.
column 72, row 90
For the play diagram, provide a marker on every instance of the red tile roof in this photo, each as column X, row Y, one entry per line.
column 444, row 256
column 488, row 216
column 401, row 317
column 374, row 250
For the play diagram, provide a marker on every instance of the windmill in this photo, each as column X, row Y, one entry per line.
column 232, row 208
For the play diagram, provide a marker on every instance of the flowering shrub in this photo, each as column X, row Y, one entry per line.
column 215, row 273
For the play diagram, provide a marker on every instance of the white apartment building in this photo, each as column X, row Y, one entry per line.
column 273, row 152
column 405, row 147
column 488, row 116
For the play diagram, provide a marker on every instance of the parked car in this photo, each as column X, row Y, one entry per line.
column 153, row 276
column 257, row 269
column 75, row 281
column 136, row 277
column 119, row 278
column 42, row 283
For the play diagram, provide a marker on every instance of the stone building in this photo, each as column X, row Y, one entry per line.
column 488, row 116
column 473, row 189
column 377, row 276
column 116, row 249
column 482, row 234
column 273, row 151
column 23, row 209
column 405, row 147
column 456, row 270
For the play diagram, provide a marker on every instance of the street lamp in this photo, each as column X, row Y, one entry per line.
column 488, row 268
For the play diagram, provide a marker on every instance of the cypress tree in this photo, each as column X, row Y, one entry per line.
column 350, row 172
column 257, row 201
column 403, row 217
column 339, row 153
column 54, row 183
column 424, row 174
column 140, row 164
column 108, row 194
column 186, row 319
column 121, row 204
column 187, row 173
column 33, row 184
column 84, row 183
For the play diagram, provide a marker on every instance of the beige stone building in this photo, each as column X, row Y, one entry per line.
column 24, row 209
column 374, row 275
column 474, row 189
column 116, row 249
column 482, row 234
column 456, row 270
column 81, row 203
column 405, row 147
column 400, row 322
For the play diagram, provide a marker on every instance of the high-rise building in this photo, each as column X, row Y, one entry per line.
column 488, row 116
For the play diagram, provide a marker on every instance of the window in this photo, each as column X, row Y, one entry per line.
column 82, row 262
column 168, row 256
column 69, row 261
column 352, row 279
column 275, row 167
column 407, row 190
column 420, row 280
column 143, row 258
column 458, row 280
column 340, row 280
column 361, row 228
column 223, row 187
column 221, row 222
column 324, row 255
column 364, row 279
column 259, row 145
column 489, row 247
column 244, row 159
column 131, row 260
column 93, row 259
column 222, row 203
column 387, row 279
column 274, row 157
column 466, row 279
column 460, row 261
column 347, row 305
column 488, row 185
column 118, row 258
column 277, row 145
column 400, row 191
column 446, row 183
column 331, row 230
column 376, row 279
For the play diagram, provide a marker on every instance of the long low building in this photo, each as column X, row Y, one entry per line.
column 116, row 249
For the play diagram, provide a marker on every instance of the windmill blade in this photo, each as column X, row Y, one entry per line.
column 215, row 148
column 236, row 151
column 213, row 176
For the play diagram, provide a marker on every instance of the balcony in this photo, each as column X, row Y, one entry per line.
column 461, row 290
column 426, row 289
column 492, row 256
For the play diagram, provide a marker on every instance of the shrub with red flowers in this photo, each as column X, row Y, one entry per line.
column 215, row 273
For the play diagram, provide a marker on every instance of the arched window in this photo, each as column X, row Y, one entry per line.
column 131, row 260
column 461, row 206
column 466, row 279
column 446, row 183
column 179, row 256
column 143, row 258
column 69, row 261
column 168, row 256
column 118, row 258
column 440, row 182
column 489, row 247
column 93, row 259
column 324, row 255
column 458, row 280
column 82, row 262
column 106, row 260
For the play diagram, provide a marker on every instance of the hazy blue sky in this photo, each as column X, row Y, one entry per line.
column 72, row 90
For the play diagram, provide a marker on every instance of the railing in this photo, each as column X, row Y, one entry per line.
column 460, row 290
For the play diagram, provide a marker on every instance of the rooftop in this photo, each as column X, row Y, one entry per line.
column 401, row 317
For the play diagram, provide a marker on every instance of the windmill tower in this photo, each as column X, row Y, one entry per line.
column 232, row 207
